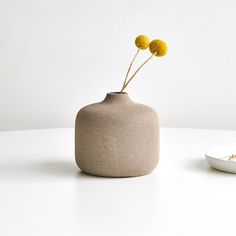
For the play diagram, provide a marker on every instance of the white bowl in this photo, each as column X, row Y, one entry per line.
column 218, row 158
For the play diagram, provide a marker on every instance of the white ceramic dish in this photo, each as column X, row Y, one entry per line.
column 218, row 158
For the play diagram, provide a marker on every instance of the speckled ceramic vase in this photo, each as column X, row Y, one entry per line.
column 117, row 137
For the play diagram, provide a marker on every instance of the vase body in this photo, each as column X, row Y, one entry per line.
column 117, row 138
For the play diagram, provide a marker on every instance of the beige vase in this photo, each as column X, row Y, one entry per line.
column 117, row 137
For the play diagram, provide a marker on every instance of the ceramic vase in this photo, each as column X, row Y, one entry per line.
column 117, row 137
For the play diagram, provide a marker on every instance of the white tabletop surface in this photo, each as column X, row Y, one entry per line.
column 42, row 192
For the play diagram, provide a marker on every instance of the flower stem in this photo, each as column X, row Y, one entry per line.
column 145, row 62
column 127, row 74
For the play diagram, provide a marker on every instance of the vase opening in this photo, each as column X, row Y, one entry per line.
column 117, row 97
column 118, row 93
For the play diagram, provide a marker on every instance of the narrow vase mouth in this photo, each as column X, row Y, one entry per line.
column 117, row 97
column 117, row 93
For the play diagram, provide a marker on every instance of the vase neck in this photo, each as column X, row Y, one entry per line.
column 117, row 98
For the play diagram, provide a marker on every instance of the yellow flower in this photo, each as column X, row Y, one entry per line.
column 142, row 42
column 159, row 47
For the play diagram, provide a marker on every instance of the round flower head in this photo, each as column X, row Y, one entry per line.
column 159, row 47
column 142, row 42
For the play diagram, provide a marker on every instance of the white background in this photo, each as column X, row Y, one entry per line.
column 59, row 55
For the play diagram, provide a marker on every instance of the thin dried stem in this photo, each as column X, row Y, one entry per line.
column 145, row 62
column 127, row 74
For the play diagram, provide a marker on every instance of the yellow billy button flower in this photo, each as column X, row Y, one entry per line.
column 142, row 42
column 159, row 47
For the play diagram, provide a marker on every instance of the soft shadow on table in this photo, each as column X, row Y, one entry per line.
column 62, row 169
column 57, row 168
column 48, row 169
column 201, row 164
column 39, row 169
column 84, row 176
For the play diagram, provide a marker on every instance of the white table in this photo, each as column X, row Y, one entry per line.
column 42, row 192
